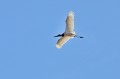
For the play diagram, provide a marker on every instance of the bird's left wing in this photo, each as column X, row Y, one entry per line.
column 62, row 41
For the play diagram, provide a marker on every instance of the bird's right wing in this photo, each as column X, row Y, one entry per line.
column 62, row 41
column 70, row 23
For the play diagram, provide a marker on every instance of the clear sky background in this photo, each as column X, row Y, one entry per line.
column 27, row 45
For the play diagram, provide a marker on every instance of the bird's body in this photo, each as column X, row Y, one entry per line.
column 69, row 31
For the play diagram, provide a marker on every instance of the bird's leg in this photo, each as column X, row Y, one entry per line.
column 78, row 36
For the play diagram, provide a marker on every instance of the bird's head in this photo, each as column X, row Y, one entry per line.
column 59, row 35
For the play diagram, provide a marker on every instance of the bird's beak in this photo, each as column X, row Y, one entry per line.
column 55, row 36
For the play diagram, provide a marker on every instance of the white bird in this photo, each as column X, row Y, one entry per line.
column 69, row 31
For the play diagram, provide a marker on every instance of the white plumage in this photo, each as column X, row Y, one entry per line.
column 69, row 31
column 62, row 41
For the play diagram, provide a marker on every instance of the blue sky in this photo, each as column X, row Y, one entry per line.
column 27, row 45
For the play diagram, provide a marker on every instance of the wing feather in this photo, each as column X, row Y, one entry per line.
column 70, row 23
column 62, row 41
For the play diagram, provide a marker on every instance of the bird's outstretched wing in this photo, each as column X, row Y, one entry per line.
column 62, row 41
column 70, row 23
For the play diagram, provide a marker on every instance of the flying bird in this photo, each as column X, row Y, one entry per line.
column 69, row 31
